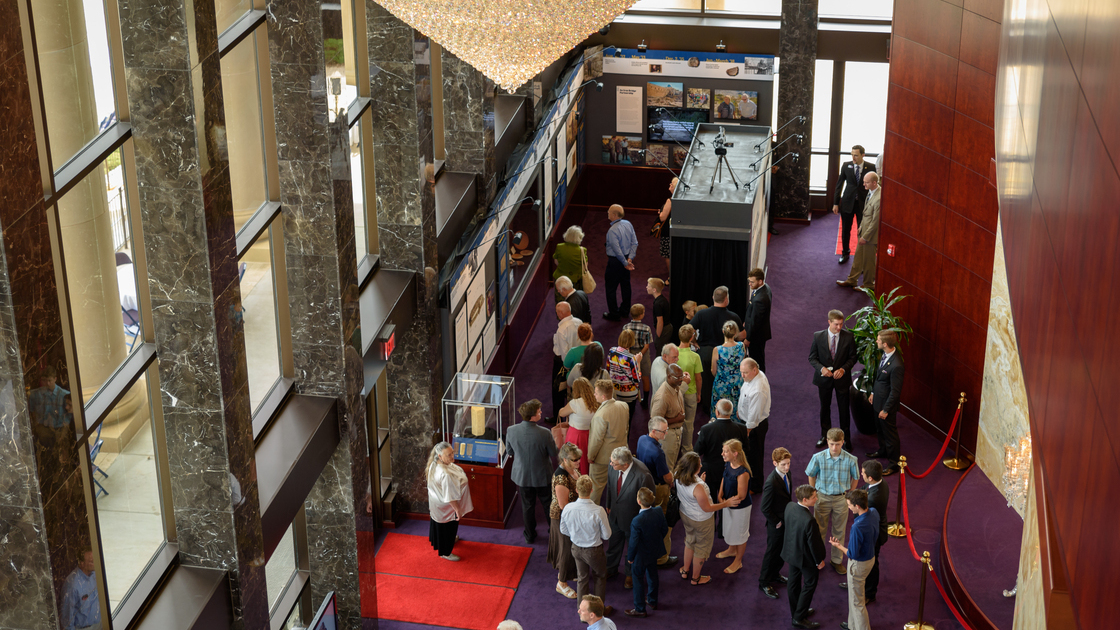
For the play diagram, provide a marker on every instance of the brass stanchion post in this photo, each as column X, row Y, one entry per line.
column 897, row 529
column 919, row 624
column 958, row 461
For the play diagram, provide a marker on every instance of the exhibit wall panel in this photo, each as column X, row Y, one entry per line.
column 1057, row 142
column 939, row 203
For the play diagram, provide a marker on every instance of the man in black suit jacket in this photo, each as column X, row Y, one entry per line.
column 775, row 497
column 850, row 195
column 647, row 533
column 581, row 308
column 803, row 549
column 878, row 494
column 709, row 442
column 832, row 356
column 886, row 394
column 622, row 505
column 757, row 323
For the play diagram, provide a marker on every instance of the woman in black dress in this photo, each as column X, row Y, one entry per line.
column 663, row 216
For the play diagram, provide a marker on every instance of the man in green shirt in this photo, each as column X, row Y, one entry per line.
column 689, row 361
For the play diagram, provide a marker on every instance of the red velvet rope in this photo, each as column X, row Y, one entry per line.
column 914, row 551
column 948, row 438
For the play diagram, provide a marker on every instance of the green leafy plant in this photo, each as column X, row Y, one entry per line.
column 333, row 49
column 869, row 320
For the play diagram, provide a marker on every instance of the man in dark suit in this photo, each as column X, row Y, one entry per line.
column 878, row 494
column 803, row 549
column 776, row 496
column 832, row 356
column 757, row 324
column 709, row 442
column 850, row 195
column 581, row 308
column 532, row 448
column 886, row 394
column 647, row 531
column 624, row 477
column 709, row 334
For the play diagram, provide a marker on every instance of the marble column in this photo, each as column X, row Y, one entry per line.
column 318, row 215
column 44, row 522
column 797, row 50
column 173, row 78
column 400, row 86
column 468, row 127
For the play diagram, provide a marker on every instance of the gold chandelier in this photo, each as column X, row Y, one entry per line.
column 509, row 41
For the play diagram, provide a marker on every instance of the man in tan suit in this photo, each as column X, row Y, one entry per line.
column 864, row 261
column 609, row 430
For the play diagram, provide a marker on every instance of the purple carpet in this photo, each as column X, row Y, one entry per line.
column 983, row 543
column 803, row 271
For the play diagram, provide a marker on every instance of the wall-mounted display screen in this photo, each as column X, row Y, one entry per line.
column 674, row 124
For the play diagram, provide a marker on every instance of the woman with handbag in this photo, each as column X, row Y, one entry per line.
column 570, row 258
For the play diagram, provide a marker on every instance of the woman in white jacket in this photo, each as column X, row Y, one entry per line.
column 449, row 498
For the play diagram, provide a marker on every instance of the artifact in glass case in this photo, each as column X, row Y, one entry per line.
column 477, row 410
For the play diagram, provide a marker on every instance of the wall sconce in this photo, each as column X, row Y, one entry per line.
column 1016, row 472
column 721, row 47
column 642, row 46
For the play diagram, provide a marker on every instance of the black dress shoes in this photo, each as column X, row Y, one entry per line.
column 876, row 454
column 821, row 443
column 805, row 624
column 612, row 318
column 782, row 579
column 668, row 564
column 844, row 625
column 844, row 585
column 769, row 591
column 634, row 612
column 843, row 259
column 893, row 470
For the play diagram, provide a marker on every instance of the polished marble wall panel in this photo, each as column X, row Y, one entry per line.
column 468, row 118
column 798, row 52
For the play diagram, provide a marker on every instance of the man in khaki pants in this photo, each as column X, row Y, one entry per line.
column 864, row 261
column 861, row 557
column 609, row 428
column 651, row 454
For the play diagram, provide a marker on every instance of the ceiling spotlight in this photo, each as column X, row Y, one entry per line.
column 642, row 46
column 721, row 47
column 606, row 29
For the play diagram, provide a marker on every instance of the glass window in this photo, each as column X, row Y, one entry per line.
column 818, row 171
column 244, row 130
column 229, row 11
column 822, row 104
column 280, row 567
column 865, row 106
column 774, row 106
column 861, row 9
column 660, row 5
column 338, row 46
column 72, row 43
column 524, row 237
column 100, row 274
column 752, row 7
column 127, row 490
column 259, row 313
column 357, row 177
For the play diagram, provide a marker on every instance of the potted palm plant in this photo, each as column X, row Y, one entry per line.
column 865, row 326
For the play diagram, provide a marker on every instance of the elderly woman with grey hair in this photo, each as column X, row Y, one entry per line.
column 563, row 493
column 569, row 257
column 449, row 499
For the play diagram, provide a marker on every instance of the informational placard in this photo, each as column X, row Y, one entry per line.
column 675, row 63
column 462, row 341
column 476, row 306
column 628, row 109
column 561, row 154
column 489, row 337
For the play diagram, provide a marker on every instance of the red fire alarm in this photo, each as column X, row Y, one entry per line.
column 386, row 341
column 890, row 250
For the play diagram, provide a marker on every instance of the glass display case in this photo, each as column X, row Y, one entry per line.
column 477, row 411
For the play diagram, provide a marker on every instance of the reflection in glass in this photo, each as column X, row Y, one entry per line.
column 865, row 106
column 244, row 129
column 100, row 274
column 818, row 171
column 258, row 303
column 862, row 9
column 81, row 606
column 126, row 484
column 822, row 103
column 338, row 46
column 659, row 5
column 52, row 424
column 73, row 49
column 749, row 7
column 357, row 176
column 280, row 567
column 524, row 237
column 229, row 11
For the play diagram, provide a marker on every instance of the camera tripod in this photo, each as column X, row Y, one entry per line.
column 722, row 153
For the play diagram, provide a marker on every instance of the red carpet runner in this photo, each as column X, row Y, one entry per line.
column 413, row 584
column 853, row 242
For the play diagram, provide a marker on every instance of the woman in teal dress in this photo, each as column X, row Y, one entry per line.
column 725, row 366
column 569, row 257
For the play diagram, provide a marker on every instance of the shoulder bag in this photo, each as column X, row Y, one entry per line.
column 588, row 282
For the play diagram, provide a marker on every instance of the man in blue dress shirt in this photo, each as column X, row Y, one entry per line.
column 81, row 609
column 622, row 247
column 861, row 557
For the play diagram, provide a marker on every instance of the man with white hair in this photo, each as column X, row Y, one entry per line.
column 509, row 624
column 565, row 338
column 625, row 476
column 754, row 413
column 670, row 354
column 622, row 247
column 581, row 308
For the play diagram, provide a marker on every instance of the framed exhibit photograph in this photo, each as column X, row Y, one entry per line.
column 657, row 155
column 674, row 124
column 699, row 98
column 622, row 150
column 663, row 94
column 736, row 105
column 680, row 154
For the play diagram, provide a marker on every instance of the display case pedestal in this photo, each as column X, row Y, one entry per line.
column 492, row 493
